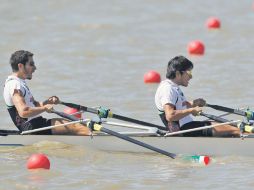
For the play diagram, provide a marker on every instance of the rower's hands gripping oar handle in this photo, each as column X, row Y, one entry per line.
column 104, row 113
column 97, row 127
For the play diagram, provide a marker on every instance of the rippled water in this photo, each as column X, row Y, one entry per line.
column 78, row 168
column 96, row 53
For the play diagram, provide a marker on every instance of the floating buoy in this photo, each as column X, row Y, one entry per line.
column 72, row 111
column 196, row 47
column 152, row 77
column 38, row 161
column 213, row 23
column 198, row 159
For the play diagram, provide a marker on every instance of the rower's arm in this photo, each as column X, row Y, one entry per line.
column 24, row 110
column 175, row 115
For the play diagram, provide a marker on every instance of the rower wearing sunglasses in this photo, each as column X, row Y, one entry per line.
column 176, row 111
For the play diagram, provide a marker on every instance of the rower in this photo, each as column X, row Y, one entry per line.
column 176, row 110
column 24, row 110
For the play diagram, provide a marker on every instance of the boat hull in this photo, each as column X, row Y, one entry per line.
column 178, row 145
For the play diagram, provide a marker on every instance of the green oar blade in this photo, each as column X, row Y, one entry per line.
column 202, row 159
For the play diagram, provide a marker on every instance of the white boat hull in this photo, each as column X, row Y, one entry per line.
column 178, row 145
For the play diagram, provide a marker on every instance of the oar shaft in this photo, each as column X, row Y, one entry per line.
column 201, row 128
column 215, row 118
column 130, row 126
column 225, row 114
column 226, row 109
column 112, row 115
column 121, row 136
column 51, row 127
column 80, row 107
column 246, row 127
column 127, row 138
column 120, row 117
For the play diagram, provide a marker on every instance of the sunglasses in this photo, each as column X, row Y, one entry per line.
column 189, row 73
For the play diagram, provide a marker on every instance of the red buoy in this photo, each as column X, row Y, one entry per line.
column 72, row 111
column 38, row 161
column 152, row 77
column 213, row 23
column 196, row 47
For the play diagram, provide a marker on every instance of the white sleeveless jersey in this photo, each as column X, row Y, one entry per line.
column 169, row 92
column 12, row 83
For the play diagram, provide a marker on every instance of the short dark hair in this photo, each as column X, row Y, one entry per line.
column 178, row 63
column 20, row 56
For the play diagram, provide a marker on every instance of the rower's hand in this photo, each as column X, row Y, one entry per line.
column 199, row 102
column 48, row 108
column 196, row 110
column 53, row 100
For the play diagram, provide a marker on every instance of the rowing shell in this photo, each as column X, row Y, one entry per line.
column 180, row 145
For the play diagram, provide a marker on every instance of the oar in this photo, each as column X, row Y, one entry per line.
column 53, row 126
column 225, row 114
column 242, row 125
column 248, row 114
column 201, row 128
column 104, row 113
column 149, row 129
column 98, row 127
column 215, row 118
column 5, row 132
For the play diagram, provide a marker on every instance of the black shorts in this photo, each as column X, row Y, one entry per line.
column 200, row 133
column 37, row 123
